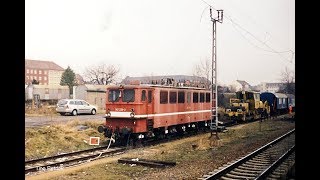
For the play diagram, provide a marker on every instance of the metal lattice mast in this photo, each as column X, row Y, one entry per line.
column 214, row 86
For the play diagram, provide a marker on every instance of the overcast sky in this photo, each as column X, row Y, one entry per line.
column 255, row 42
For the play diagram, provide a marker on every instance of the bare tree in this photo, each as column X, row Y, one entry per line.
column 101, row 74
column 203, row 69
column 288, row 79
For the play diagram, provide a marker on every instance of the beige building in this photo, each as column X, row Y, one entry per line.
column 93, row 94
column 240, row 85
column 46, row 92
column 45, row 72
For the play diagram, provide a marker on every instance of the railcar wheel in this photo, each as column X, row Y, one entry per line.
column 74, row 112
column 93, row 112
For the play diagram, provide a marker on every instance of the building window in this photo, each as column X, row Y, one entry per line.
column 35, row 77
column 46, row 90
column 35, row 71
column 40, row 72
column 45, row 72
column 27, row 71
column 31, row 71
column 40, row 78
column 45, row 78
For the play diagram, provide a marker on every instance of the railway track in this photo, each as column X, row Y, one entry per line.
column 64, row 160
column 268, row 162
column 68, row 159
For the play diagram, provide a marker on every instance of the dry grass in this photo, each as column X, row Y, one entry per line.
column 48, row 111
column 44, row 110
column 195, row 156
column 55, row 139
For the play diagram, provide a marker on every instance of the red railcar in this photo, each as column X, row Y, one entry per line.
column 142, row 111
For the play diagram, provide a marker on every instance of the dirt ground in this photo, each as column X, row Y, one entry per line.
column 195, row 156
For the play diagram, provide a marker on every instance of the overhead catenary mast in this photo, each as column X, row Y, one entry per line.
column 214, row 90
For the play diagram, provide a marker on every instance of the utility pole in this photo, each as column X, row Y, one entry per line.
column 214, row 91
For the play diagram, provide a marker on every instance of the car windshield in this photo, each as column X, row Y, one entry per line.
column 62, row 102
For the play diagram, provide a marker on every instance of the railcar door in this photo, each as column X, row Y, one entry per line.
column 150, row 102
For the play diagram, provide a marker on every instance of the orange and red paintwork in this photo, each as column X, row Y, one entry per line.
column 162, row 115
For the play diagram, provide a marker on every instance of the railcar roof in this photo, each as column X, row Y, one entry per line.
column 154, row 85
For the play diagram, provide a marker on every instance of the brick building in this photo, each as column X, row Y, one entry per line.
column 45, row 72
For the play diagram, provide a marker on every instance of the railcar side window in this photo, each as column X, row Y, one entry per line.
column 195, row 97
column 181, row 97
column 208, row 97
column 149, row 96
column 128, row 95
column 173, row 97
column 201, row 97
column 114, row 95
column 163, row 97
column 188, row 97
column 143, row 95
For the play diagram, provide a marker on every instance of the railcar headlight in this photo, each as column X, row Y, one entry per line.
column 239, row 110
column 108, row 113
column 132, row 113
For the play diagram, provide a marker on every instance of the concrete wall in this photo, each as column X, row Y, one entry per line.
column 97, row 98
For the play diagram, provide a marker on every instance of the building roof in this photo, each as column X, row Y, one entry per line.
column 243, row 83
column 52, row 86
column 177, row 78
column 79, row 79
column 92, row 87
column 37, row 64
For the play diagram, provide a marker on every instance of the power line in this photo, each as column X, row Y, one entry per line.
column 251, row 34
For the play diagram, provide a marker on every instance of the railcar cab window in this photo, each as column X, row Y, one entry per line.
column 250, row 96
column 163, row 97
column 128, row 95
column 257, row 96
column 114, row 95
column 143, row 95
